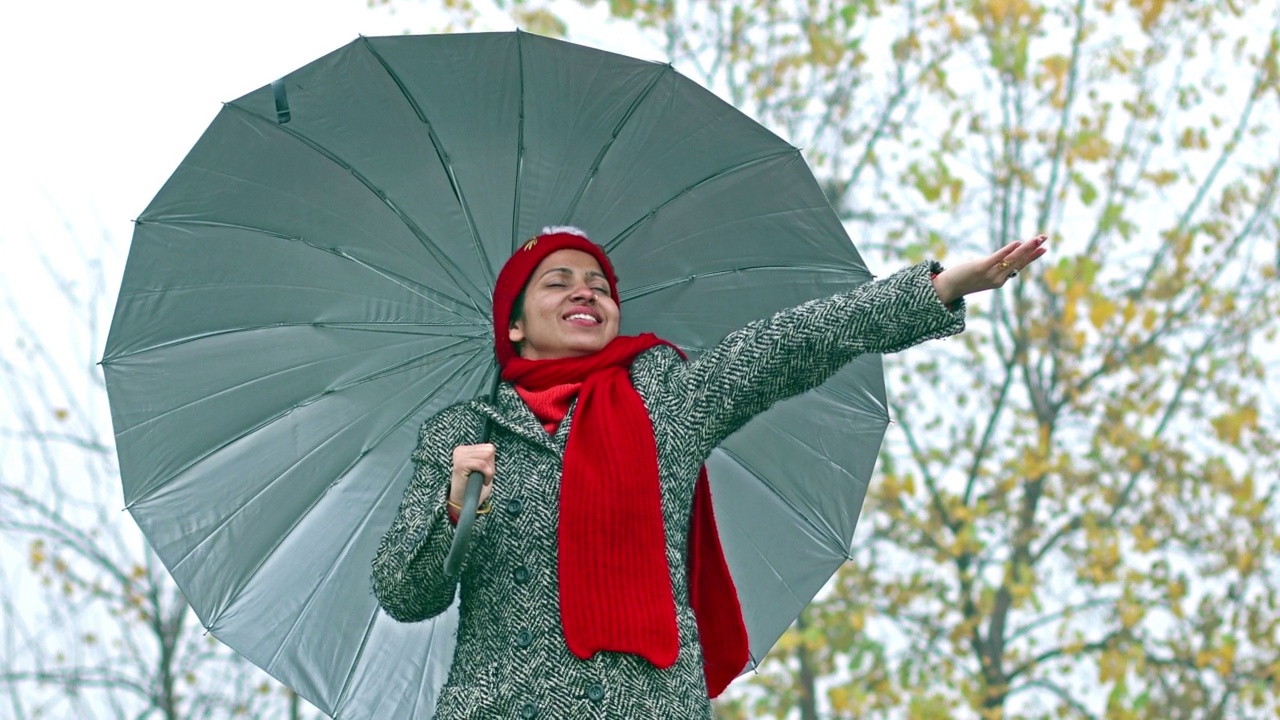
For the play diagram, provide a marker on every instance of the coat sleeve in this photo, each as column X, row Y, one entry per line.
column 797, row 349
column 408, row 570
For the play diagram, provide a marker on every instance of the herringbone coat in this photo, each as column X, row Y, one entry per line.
column 511, row 658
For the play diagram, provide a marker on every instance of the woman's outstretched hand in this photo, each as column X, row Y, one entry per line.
column 990, row 272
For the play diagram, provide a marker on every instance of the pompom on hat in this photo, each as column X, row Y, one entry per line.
column 515, row 275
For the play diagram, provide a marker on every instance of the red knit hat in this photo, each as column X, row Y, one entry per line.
column 515, row 275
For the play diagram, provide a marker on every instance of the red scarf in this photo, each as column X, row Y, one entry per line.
column 615, row 591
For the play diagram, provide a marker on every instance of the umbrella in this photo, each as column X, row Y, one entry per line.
column 313, row 282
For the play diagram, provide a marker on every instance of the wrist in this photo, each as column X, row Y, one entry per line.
column 945, row 288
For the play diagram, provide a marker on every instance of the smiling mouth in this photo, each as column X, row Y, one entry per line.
column 582, row 317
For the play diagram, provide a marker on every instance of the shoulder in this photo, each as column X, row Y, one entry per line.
column 442, row 432
column 655, row 363
column 653, row 372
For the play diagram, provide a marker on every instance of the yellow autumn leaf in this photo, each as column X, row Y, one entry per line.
column 1101, row 312
column 1149, row 319
column 1226, row 658
column 1231, row 426
column 1091, row 146
column 1130, row 311
column 1143, row 540
column 1056, row 66
column 997, row 10
column 1131, row 614
column 1053, row 277
column 1244, row 563
column 540, row 21
column 1151, row 11
column 839, row 697
column 1069, row 313
column 1111, row 666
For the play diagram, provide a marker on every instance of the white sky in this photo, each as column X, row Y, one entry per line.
column 103, row 98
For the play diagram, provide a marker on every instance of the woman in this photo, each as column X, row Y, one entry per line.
column 595, row 586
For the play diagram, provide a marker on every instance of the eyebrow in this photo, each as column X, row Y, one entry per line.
column 568, row 271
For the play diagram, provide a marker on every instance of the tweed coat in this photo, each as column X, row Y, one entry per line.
column 511, row 658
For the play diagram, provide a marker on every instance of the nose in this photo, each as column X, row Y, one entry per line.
column 582, row 292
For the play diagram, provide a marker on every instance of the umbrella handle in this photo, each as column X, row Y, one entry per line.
column 466, row 520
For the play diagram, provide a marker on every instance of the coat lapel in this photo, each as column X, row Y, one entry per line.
column 514, row 415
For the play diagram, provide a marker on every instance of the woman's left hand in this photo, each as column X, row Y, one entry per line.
column 990, row 272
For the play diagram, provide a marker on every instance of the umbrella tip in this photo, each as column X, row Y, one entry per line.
column 282, row 101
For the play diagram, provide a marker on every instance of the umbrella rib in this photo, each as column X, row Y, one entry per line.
column 652, row 288
column 362, row 326
column 423, row 238
column 332, row 570
column 202, row 398
column 617, row 130
column 776, row 574
column 384, row 372
column 515, row 206
column 364, row 643
column 266, row 558
column 820, row 532
column 630, row 230
column 443, row 155
column 416, row 288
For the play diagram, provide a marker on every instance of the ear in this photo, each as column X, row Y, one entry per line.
column 516, row 333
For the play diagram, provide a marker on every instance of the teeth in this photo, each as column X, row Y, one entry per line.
column 581, row 316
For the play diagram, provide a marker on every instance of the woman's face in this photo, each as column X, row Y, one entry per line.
column 568, row 311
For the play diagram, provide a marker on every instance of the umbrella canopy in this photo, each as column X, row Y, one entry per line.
column 314, row 281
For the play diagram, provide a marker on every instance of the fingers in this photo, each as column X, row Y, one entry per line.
column 1002, row 255
column 467, row 459
column 1019, row 254
column 475, row 458
column 1029, row 251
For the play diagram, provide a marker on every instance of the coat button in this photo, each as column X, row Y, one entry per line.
column 521, row 575
column 515, row 505
column 595, row 692
column 524, row 638
column 529, row 711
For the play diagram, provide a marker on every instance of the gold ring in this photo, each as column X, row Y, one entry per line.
column 1004, row 265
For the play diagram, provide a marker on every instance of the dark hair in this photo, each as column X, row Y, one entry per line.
column 517, row 314
column 517, row 308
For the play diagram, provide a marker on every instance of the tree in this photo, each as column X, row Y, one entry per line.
column 93, row 626
column 1075, row 513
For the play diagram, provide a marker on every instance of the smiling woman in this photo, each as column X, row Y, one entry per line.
column 567, row 309
column 596, row 585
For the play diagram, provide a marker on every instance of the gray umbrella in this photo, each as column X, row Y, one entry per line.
column 314, row 280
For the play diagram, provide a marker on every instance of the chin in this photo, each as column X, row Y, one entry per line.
column 587, row 349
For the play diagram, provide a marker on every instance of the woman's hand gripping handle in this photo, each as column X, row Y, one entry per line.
column 470, row 484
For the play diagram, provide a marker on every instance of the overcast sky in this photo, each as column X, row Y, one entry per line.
column 103, row 98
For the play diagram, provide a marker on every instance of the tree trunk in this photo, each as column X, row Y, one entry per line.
column 806, row 679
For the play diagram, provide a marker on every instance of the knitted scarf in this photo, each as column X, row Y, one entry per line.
column 615, row 590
